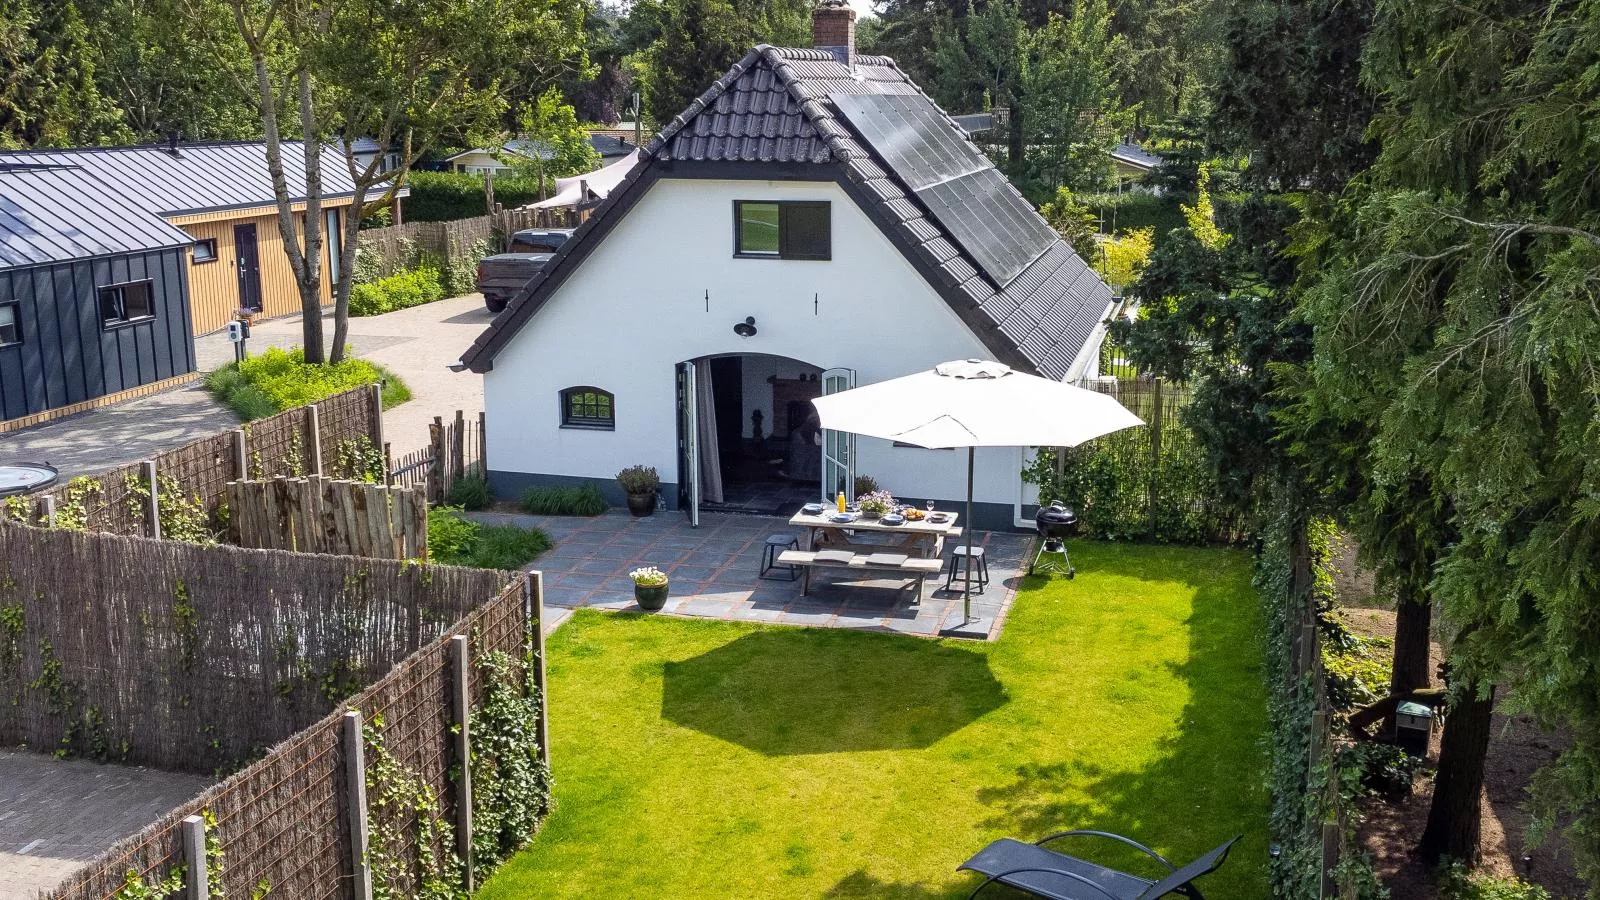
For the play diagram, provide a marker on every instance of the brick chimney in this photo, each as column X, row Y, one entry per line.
column 833, row 28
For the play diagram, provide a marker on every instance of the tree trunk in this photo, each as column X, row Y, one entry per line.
column 1413, row 629
column 1455, row 819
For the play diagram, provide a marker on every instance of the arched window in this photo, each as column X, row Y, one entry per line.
column 588, row 407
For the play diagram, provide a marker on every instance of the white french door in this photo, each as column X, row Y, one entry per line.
column 688, row 445
column 838, row 447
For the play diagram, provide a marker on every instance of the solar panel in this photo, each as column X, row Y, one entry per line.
column 961, row 189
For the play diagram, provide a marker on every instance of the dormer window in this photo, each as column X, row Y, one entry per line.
column 782, row 229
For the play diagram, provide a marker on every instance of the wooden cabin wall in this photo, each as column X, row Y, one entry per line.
column 68, row 356
column 214, row 286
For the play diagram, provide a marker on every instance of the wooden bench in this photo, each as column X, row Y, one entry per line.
column 915, row 568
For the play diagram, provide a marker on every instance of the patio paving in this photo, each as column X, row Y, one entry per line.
column 714, row 574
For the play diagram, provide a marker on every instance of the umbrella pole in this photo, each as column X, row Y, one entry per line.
column 966, row 591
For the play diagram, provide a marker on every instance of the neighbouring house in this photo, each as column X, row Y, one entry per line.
column 1134, row 162
column 93, row 294
column 221, row 195
column 482, row 160
column 365, row 150
column 811, row 221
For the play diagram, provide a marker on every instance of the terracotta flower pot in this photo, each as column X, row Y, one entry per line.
column 650, row 598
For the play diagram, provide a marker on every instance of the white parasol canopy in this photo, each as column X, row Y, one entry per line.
column 974, row 403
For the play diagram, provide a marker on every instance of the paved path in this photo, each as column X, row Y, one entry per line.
column 417, row 344
column 56, row 815
column 714, row 575
column 111, row 436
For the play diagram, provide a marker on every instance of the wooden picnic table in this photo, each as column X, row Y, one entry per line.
column 924, row 538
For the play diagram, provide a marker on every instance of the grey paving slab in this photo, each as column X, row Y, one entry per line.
column 56, row 815
column 714, row 574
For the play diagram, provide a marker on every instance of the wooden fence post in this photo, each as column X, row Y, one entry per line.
column 533, row 612
column 388, row 465
column 46, row 510
column 375, row 411
column 196, row 879
column 483, row 444
column 436, row 469
column 355, row 804
column 241, row 455
column 1330, row 858
column 314, row 429
column 461, row 703
column 147, row 471
column 1155, row 457
column 458, row 449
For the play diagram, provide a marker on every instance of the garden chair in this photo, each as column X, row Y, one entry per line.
column 1033, row 869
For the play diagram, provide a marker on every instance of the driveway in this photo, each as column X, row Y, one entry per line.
column 58, row 815
column 417, row 344
column 127, row 432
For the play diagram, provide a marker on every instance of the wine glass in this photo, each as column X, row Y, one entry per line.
column 930, row 507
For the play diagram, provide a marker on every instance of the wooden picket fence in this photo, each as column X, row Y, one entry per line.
column 326, row 515
column 455, row 448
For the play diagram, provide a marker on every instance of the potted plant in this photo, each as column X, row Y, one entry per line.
column 641, row 483
column 649, row 588
column 875, row 504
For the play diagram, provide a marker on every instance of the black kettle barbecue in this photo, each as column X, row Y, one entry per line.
column 1055, row 524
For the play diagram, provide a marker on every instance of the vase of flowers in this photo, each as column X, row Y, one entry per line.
column 641, row 484
column 649, row 588
column 875, row 504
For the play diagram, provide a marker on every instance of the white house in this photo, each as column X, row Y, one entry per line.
column 811, row 221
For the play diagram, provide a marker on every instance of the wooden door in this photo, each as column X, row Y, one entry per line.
column 248, row 263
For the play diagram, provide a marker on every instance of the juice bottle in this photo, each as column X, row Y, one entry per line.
column 841, row 501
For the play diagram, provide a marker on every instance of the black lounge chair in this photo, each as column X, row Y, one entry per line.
column 1045, row 873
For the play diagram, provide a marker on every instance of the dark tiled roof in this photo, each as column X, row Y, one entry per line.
column 199, row 177
column 51, row 214
column 609, row 145
column 773, row 107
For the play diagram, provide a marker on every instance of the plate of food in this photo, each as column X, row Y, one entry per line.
column 915, row 515
column 893, row 519
column 812, row 509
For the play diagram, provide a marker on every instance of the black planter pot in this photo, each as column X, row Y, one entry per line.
column 650, row 599
column 642, row 505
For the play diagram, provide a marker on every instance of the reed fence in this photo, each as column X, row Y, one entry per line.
column 340, row 436
column 199, row 658
column 399, row 247
column 325, row 515
column 301, row 821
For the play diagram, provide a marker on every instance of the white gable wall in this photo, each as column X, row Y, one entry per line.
column 637, row 306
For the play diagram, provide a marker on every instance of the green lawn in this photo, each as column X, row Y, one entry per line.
column 706, row 759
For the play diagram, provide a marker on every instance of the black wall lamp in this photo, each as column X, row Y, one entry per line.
column 747, row 328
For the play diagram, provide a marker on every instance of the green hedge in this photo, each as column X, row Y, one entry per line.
column 399, row 291
column 448, row 196
column 1136, row 209
column 455, row 541
column 275, row 380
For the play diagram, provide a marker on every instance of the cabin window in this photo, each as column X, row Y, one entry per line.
column 205, row 251
column 10, row 324
column 588, row 407
column 791, row 229
column 124, row 303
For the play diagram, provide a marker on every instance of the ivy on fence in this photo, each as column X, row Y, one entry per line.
column 510, row 783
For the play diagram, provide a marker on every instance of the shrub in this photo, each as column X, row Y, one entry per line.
column 448, row 196
column 461, row 276
column 1121, row 213
column 865, row 484
column 1456, row 883
column 582, row 500
column 639, row 480
column 471, row 492
column 275, row 380
column 454, row 541
column 399, row 291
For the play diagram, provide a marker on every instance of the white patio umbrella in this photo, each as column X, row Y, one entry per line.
column 974, row 403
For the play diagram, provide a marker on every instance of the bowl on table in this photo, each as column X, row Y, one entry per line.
column 812, row 509
column 938, row 518
column 892, row 519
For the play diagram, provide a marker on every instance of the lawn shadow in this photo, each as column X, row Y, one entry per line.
column 1198, row 792
column 789, row 691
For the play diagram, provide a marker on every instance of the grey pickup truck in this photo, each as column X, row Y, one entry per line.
column 503, row 276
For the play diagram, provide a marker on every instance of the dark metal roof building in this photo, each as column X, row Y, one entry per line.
column 775, row 106
column 52, row 214
column 195, row 178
